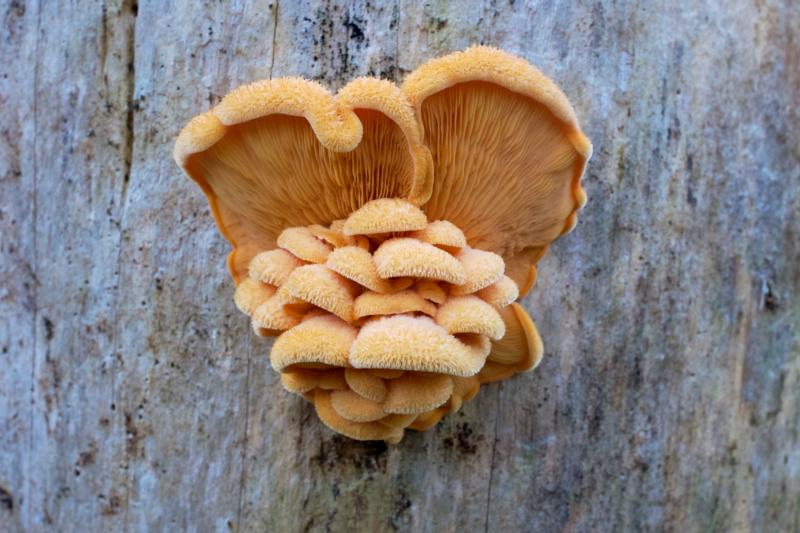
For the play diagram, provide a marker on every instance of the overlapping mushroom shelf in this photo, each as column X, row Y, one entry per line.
column 386, row 321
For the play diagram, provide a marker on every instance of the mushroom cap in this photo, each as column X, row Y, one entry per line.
column 523, row 188
column 410, row 257
column 522, row 267
column 335, row 238
column 367, row 384
column 442, row 234
column 385, row 215
column 271, row 315
column 386, row 373
column 285, row 153
column 427, row 420
column 371, row 303
column 470, row 314
column 481, row 270
column 274, row 267
column 354, row 430
column 355, row 407
column 356, row 264
column 322, row 339
column 251, row 293
column 430, row 290
column 415, row 343
column 398, row 421
column 519, row 350
column 300, row 382
column 303, row 244
column 500, row 293
column 414, row 392
column 321, row 286
column 466, row 387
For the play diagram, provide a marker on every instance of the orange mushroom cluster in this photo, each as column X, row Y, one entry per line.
column 386, row 321
column 384, row 234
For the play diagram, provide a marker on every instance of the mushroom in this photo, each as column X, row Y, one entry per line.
column 384, row 234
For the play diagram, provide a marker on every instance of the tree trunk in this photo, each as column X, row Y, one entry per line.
column 133, row 396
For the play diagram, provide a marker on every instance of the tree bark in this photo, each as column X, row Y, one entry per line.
column 133, row 396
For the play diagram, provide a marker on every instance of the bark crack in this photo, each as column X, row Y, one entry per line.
column 127, row 154
column 35, row 262
column 246, row 439
column 491, row 465
column 274, row 37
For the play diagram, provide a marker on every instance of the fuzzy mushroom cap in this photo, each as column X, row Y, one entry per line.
column 383, row 234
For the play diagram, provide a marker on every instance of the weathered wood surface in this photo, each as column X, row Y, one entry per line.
column 133, row 396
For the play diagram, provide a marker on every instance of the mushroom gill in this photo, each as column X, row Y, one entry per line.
column 384, row 234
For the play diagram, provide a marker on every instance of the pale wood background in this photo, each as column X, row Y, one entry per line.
column 133, row 396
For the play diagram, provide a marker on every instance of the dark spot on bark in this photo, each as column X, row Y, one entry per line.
column 438, row 24
column 48, row 328
column 341, row 451
column 132, row 434
column 87, row 458
column 355, row 31
column 596, row 421
column 466, row 443
column 400, row 515
column 6, row 499
column 770, row 300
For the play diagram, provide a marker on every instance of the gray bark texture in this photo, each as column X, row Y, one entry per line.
column 134, row 397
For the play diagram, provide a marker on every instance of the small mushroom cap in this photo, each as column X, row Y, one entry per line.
column 321, row 286
column 271, row 315
column 417, row 393
column 354, row 430
column 410, row 257
column 355, row 407
column 386, row 215
column 522, row 268
column 250, row 294
column 302, row 243
column 427, row 420
column 500, row 293
column 386, row 373
column 415, row 343
column 266, row 332
column 398, row 421
column 332, row 379
column 521, row 347
column 322, row 339
column 371, row 303
column 466, row 387
column 356, row 264
column 274, row 267
column 367, row 384
column 481, row 268
column 430, row 290
column 493, row 371
column 300, row 382
column 442, row 234
column 470, row 314
column 334, row 238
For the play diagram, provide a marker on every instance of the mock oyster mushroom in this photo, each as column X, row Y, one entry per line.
column 384, row 234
